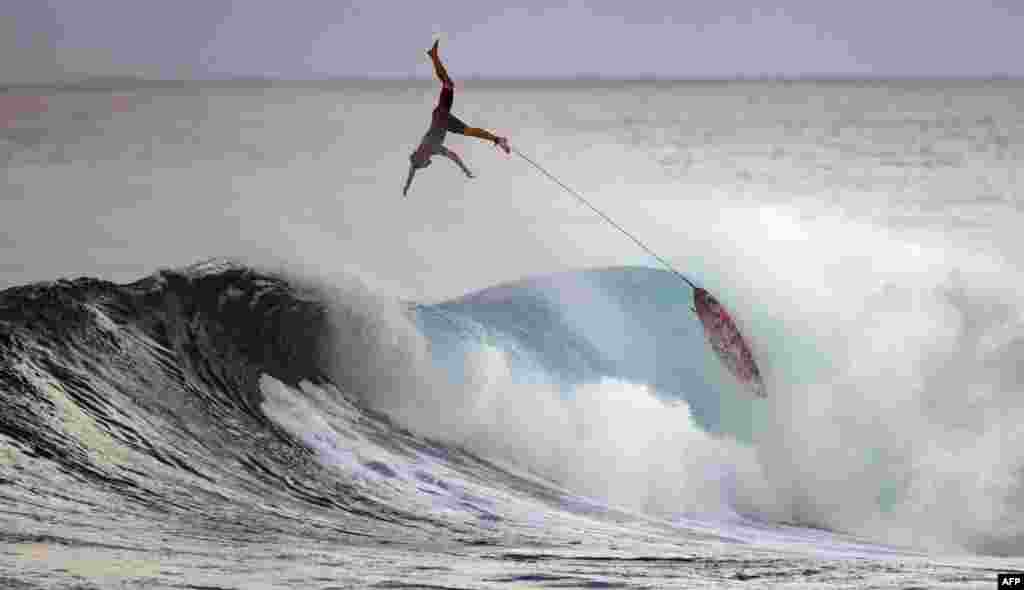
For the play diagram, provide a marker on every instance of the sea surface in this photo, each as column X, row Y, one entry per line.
column 233, row 355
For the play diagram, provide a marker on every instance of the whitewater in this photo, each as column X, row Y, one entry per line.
column 233, row 356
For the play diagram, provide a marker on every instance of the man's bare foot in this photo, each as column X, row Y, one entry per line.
column 502, row 142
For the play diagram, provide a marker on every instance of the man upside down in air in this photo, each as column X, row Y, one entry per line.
column 441, row 123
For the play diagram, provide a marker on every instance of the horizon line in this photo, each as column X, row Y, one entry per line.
column 109, row 82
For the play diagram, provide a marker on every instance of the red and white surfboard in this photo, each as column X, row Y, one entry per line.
column 727, row 342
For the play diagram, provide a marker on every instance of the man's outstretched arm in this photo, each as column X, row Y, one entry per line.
column 455, row 158
column 408, row 181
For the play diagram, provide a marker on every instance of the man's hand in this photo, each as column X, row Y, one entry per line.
column 408, row 181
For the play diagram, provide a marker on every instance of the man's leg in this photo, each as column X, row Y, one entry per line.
column 442, row 74
column 457, row 126
column 485, row 134
column 447, row 97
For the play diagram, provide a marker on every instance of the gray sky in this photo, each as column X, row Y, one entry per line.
column 47, row 40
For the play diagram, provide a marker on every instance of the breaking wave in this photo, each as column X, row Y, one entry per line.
column 218, row 390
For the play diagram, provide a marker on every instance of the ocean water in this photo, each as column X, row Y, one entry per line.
column 483, row 385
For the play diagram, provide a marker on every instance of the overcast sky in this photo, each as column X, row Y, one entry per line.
column 47, row 40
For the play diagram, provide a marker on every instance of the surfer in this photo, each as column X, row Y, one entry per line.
column 441, row 123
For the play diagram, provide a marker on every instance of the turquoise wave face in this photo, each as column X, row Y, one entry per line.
column 630, row 323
